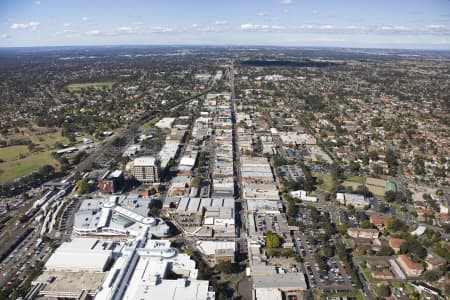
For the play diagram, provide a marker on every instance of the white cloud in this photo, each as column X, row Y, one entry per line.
column 435, row 26
column 326, row 27
column 37, row 2
column 142, row 29
column 4, row 36
column 256, row 27
column 260, row 14
column 67, row 25
column 221, row 22
column 84, row 19
column 286, row 2
column 30, row 25
column 393, row 28
column 94, row 32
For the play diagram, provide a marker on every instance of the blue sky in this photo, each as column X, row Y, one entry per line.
column 421, row 24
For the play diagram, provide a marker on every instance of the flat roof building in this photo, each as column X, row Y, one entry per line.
column 81, row 254
column 116, row 216
column 145, row 170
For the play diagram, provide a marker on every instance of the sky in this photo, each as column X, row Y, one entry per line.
column 399, row 24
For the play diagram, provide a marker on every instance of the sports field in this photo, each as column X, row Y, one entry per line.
column 79, row 86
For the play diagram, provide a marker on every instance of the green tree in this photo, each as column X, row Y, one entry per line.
column 413, row 247
column 432, row 276
column 273, row 240
column 83, row 187
column 328, row 251
column 386, row 251
column 46, row 170
column 383, row 291
column 366, row 224
column 390, row 196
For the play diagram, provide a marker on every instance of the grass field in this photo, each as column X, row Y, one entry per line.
column 150, row 123
column 354, row 185
column 78, row 86
column 13, row 152
column 357, row 179
column 17, row 168
column 13, row 166
column 357, row 294
column 327, row 181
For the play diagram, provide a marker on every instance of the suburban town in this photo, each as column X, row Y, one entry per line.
column 185, row 173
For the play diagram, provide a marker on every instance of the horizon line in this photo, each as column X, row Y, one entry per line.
column 225, row 45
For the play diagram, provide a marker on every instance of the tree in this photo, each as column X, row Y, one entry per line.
column 343, row 228
column 383, row 291
column 413, row 247
column 354, row 166
column 394, row 224
column 46, row 170
column 390, row 196
column 273, row 240
column 386, row 251
column 363, row 190
column 373, row 155
column 432, row 276
column 227, row 267
column 83, row 186
column 366, row 224
column 328, row 251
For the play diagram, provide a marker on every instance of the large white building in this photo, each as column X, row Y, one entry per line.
column 117, row 216
column 141, row 272
column 145, row 170
column 81, row 254
column 358, row 201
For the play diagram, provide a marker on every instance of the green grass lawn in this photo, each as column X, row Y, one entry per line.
column 357, row 294
column 150, row 123
column 367, row 274
column 13, row 152
column 78, row 86
column 17, row 168
column 354, row 185
column 357, row 179
column 327, row 181
column 13, row 166
column 49, row 140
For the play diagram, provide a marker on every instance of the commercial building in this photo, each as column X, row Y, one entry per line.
column 255, row 191
column 144, row 270
column 77, row 269
column 81, row 254
column 218, row 251
column 221, row 220
column 117, row 216
column 356, row 200
column 111, row 182
column 302, row 195
column 278, row 286
column 145, row 170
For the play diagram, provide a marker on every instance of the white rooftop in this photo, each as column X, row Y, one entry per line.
column 80, row 254
column 144, row 161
